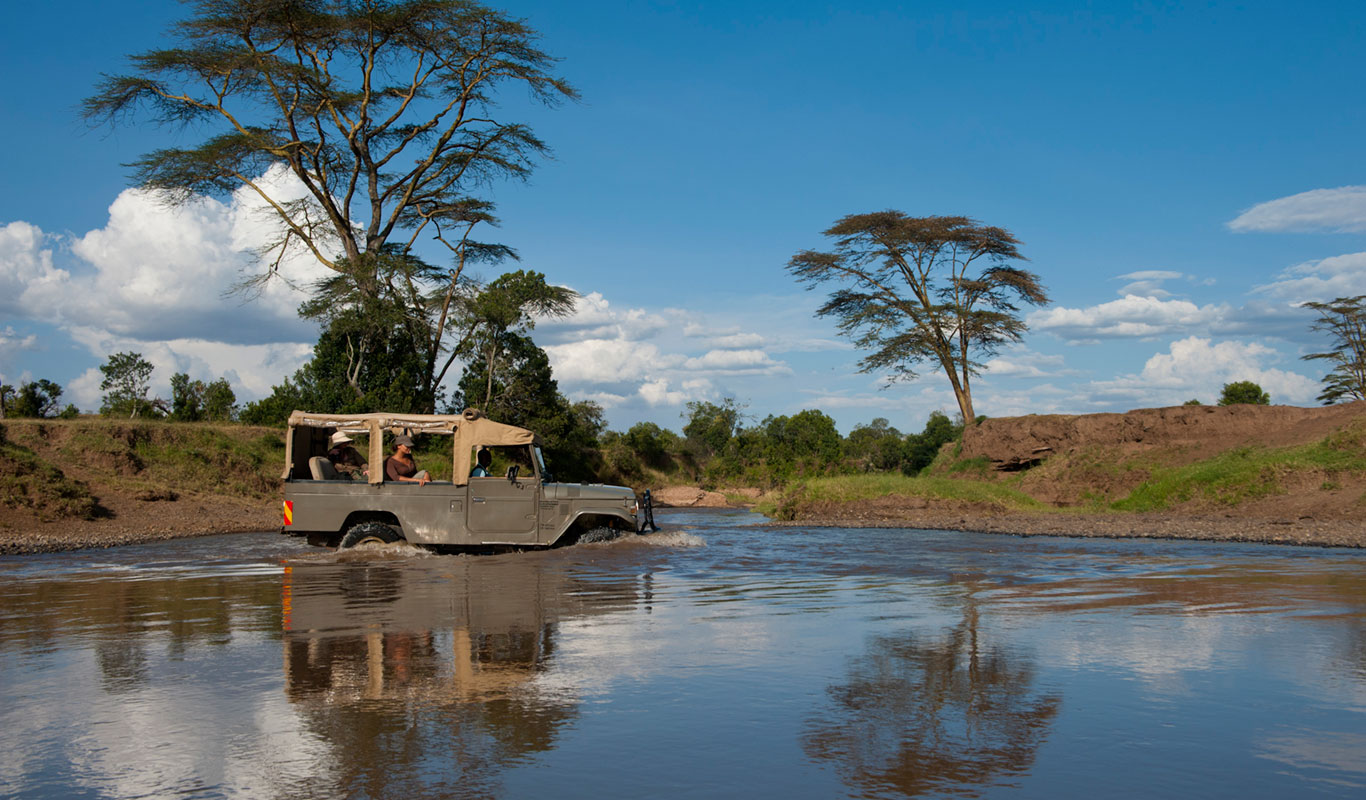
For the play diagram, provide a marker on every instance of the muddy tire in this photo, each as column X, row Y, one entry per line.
column 603, row 534
column 370, row 533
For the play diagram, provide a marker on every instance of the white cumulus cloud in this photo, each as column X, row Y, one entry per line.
column 594, row 317
column 1149, row 282
column 1132, row 316
column 1197, row 367
column 1024, row 363
column 1324, row 279
column 631, row 358
column 606, row 361
column 157, row 279
column 1340, row 210
column 750, row 362
column 27, row 271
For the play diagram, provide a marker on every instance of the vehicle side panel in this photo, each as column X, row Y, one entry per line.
column 501, row 510
column 430, row 514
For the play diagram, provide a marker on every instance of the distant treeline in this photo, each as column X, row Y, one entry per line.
column 718, row 448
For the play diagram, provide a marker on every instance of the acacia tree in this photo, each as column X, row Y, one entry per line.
column 504, row 312
column 1344, row 320
column 126, row 379
column 908, row 293
column 384, row 112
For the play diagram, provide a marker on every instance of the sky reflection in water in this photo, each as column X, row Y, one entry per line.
column 713, row 659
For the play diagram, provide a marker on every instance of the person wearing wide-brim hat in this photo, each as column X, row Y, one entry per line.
column 400, row 466
column 346, row 459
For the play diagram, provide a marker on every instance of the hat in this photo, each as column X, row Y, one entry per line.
column 340, row 438
column 403, row 439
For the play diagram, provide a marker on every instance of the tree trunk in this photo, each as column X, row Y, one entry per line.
column 488, row 385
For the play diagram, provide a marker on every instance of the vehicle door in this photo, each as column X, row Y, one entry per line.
column 503, row 509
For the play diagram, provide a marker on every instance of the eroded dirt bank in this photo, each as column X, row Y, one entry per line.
column 1084, row 465
column 73, row 484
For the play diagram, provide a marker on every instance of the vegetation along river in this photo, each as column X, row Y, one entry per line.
column 716, row 658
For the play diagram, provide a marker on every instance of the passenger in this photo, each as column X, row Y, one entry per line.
column 481, row 470
column 400, row 466
column 346, row 459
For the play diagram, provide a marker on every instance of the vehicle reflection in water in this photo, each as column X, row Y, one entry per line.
column 423, row 675
column 919, row 713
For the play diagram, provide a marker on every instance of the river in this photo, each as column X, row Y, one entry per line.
column 715, row 658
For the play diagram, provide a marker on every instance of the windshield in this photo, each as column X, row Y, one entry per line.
column 540, row 463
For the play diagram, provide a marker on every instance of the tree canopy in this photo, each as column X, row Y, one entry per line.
column 34, row 399
column 908, row 293
column 385, row 113
column 1243, row 392
column 126, row 379
column 1344, row 320
column 194, row 400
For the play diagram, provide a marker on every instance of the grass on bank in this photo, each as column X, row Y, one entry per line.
column 1227, row 479
column 1249, row 473
column 154, row 458
column 871, row 486
column 157, row 455
column 27, row 481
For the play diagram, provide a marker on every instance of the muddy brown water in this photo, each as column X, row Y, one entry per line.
column 713, row 659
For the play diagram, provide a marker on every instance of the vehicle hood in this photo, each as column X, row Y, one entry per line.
column 587, row 491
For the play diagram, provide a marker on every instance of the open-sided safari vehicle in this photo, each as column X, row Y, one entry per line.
column 519, row 506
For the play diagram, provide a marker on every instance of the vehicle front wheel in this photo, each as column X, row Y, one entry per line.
column 602, row 534
column 370, row 533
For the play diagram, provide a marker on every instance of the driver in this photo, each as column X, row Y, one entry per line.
column 481, row 469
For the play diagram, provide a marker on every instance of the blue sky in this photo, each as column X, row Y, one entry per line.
column 1181, row 175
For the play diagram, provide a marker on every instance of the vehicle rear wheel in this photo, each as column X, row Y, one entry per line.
column 370, row 533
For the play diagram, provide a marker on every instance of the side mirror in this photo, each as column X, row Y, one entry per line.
column 512, row 472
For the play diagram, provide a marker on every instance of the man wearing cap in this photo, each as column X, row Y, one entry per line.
column 400, row 466
column 346, row 459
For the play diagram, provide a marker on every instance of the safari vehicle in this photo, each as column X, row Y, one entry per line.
column 522, row 507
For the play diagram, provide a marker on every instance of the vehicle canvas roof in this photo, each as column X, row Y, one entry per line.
column 471, row 429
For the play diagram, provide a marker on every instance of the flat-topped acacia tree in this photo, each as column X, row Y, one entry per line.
column 1344, row 320
column 384, row 112
column 923, row 289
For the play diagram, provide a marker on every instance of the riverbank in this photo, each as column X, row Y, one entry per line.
column 1202, row 527
column 1272, row 474
column 91, row 482
column 1278, row 475
column 139, row 522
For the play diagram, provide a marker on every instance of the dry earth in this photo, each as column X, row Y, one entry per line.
column 134, row 520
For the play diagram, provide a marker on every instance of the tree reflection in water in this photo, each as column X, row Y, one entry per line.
column 920, row 714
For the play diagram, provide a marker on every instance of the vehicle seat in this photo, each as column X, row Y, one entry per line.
column 322, row 469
